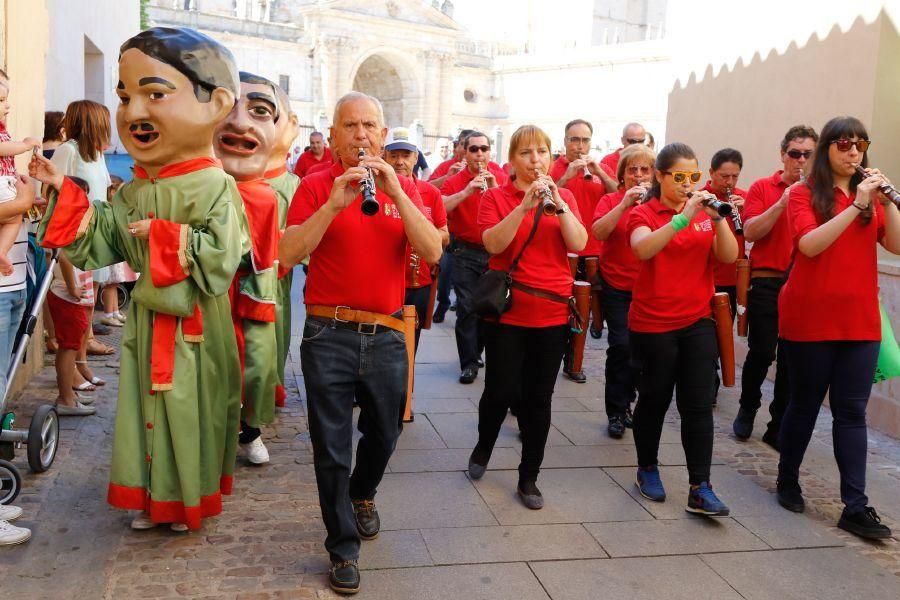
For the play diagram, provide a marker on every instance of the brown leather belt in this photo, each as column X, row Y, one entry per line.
column 766, row 273
column 361, row 321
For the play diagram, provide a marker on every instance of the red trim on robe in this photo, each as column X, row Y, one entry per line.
column 250, row 308
column 261, row 206
column 162, row 355
column 171, row 511
column 192, row 327
column 68, row 217
column 280, row 395
column 181, row 168
column 168, row 258
column 277, row 171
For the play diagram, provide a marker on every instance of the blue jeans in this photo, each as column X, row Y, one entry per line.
column 12, row 307
column 620, row 374
column 338, row 366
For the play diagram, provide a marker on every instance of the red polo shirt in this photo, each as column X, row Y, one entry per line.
column 319, row 166
column 434, row 210
column 611, row 160
column 726, row 275
column 833, row 295
column 543, row 264
column 618, row 264
column 463, row 219
column 561, row 164
column 307, row 159
column 673, row 289
column 361, row 260
column 444, row 168
column 587, row 194
column 774, row 250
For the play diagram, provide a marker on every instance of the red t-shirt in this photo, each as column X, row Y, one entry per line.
column 306, row 160
column 618, row 264
column 463, row 219
column 774, row 250
column 559, row 166
column 611, row 160
column 727, row 274
column 543, row 264
column 319, row 166
column 674, row 288
column 444, row 168
column 361, row 260
column 587, row 194
column 434, row 210
column 833, row 295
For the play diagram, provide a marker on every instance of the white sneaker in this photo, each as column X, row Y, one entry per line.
column 79, row 410
column 121, row 316
column 178, row 527
column 256, row 451
column 9, row 513
column 142, row 521
column 110, row 320
column 11, row 535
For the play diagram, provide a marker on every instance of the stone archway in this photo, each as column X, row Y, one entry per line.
column 389, row 80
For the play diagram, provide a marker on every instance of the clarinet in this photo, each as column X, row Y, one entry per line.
column 886, row 188
column 547, row 204
column 735, row 214
column 484, row 185
column 369, row 204
column 723, row 208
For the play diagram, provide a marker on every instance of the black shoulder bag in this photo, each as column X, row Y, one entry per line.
column 491, row 297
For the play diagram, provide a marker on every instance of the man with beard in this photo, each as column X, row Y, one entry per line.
column 244, row 142
column 177, row 224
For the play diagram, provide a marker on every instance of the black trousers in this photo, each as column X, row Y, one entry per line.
column 683, row 361
column 446, row 280
column 468, row 265
column 418, row 297
column 844, row 370
column 521, row 365
column 764, row 347
column 620, row 373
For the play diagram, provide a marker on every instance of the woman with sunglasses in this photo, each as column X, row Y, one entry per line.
column 829, row 317
column 677, row 237
column 525, row 347
column 618, row 269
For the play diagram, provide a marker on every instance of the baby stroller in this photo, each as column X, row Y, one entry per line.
column 42, row 437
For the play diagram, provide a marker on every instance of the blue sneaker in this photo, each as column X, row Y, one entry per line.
column 650, row 484
column 703, row 501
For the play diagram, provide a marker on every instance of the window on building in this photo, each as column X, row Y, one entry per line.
column 470, row 95
column 285, row 82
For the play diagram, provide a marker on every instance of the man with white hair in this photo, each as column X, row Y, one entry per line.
column 633, row 133
column 353, row 342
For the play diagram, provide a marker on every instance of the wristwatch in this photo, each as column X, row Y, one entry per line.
column 562, row 209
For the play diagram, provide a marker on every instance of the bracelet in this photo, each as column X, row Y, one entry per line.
column 679, row 222
column 861, row 208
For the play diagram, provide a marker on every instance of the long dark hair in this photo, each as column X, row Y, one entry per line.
column 667, row 157
column 821, row 178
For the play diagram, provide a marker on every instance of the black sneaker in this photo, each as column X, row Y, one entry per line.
column 743, row 423
column 865, row 523
column 468, row 374
column 628, row 419
column 578, row 377
column 439, row 313
column 368, row 524
column 770, row 437
column 790, row 496
column 530, row 494
column 480, row 363
column 477, row 465
column 616, row 427
column 344, row 577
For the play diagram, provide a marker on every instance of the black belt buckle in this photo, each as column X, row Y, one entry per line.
column 361, row 328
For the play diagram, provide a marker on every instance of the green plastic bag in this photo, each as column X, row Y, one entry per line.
column 889, row 355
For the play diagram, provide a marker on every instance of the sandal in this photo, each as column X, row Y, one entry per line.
column 96, row 348
column 87, row 386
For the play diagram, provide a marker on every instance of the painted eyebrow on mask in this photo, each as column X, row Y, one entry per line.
column 149, row 80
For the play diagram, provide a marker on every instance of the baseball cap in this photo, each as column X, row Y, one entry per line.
column 399, row 138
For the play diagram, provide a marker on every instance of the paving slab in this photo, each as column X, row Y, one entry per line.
column 430, row 384
column 419, row 435
column 460, row 430
column 423, row 500
column 822, row 573
column 466, row 545
column 675, row 536
column 447, row 459
column 567, row 405
column 470, row 582
column 394, row 549
column 782, row 529
column 589, row 429
column 429, row 405
column 669, row 577
column 566, row 388
column 570, row 496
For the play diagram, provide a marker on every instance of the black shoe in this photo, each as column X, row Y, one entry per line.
column 468, row 374
column 368, row 524
column 865, row 523
column 595, row 333
column 770, row 437
column 477, row 466
column 616, row 427
column 628, row 419
column 101, row 329
column 480, row 363
column 453, row 307
column 530, row 494
column 344, row 577
column 743, row 423
column 439, row 313
column 790, row 496
column 579, row 377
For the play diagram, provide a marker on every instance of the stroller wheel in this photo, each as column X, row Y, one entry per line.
column 43, row 438
column 10, row 482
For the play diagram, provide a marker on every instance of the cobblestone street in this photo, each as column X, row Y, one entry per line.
column 444, row 536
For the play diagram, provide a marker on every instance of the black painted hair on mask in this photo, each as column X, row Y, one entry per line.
column 204, row 61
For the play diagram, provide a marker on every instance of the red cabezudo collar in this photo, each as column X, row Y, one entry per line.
column 181, row 168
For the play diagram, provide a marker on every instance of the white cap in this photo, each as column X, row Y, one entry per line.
column 399, row 138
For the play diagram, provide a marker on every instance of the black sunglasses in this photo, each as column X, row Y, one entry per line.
column 795, row 154
column 474, row 149
column 844, row 144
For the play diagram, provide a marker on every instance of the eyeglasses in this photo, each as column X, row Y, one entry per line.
column 633, row 141
column 796, row 154
column 680, row 176
column 579, row 140
column 474, row 149
column 636, row 170
column 843, row 144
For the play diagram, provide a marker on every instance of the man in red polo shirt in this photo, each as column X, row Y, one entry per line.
column 633, row 133
column 766, row 226
column 452, row 165
column 568, row 170
column 317, row 153
column 462, row 198
column 353, row 346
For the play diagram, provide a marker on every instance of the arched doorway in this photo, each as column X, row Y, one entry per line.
column 379, row 76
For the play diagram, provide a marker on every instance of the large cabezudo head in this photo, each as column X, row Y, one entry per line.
column 175, row 86
column 286, row 129
column 244, row 141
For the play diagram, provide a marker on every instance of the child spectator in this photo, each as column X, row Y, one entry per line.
column 54, row 132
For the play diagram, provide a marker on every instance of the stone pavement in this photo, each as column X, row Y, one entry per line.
column 444, row 536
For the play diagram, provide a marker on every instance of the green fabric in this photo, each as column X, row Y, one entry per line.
column 889, row 355
column 260, row 373
column 284, row 185
column 193, row 439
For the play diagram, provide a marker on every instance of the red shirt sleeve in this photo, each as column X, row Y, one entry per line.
column 303, row 204
column 453, row 184
column 802, row 216
column 754, row 201
column 569, row 198
column 489, row 211
column 438, row 212
column 639, row 217
column 604, row 205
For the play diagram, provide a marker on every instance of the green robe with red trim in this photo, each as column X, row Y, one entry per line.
column 179, row 385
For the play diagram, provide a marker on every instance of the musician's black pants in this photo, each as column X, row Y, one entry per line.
column 620, row 374
column 764, row 347
column 521, row 365
column 844, row 370
column 445, row 281
column 683, row 361
column 468, row 265
column 419, row 297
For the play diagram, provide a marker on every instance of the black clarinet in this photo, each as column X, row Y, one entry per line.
column 723, row 208
column 886, row 188
column 369, row 204
column 736, row 214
